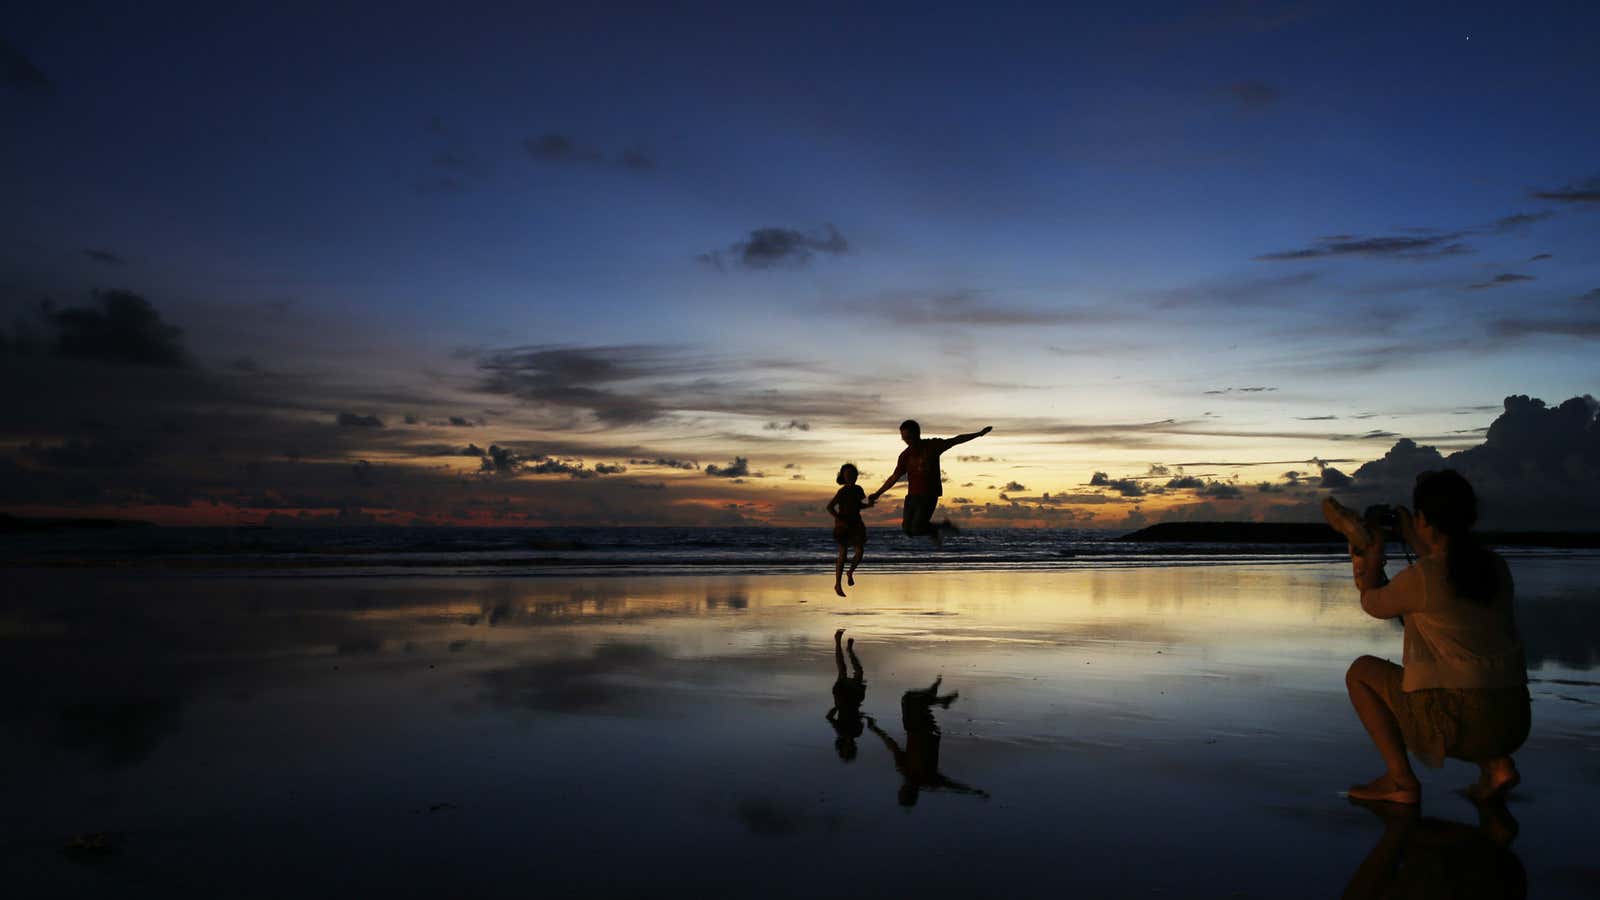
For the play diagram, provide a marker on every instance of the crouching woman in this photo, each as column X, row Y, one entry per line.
column 1461, row 690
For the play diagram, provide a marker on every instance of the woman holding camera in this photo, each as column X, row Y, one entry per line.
column 1462, row 689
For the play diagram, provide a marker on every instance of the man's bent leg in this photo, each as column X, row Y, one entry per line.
column 917, row 515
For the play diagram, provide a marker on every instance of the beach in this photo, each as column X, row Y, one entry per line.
column 1162, row 729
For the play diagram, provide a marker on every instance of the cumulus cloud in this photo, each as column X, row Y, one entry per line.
column 121, row 328
column 1013, row 487
column 1538, row 467
column 771, row 247
column 1127, row 487
column 739, row 468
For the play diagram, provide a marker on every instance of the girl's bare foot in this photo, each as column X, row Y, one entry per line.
column 851, row 578
column 1496, row 778
column 1387, row 789
column 838, row 634
column 838, row 590
column 850, row 644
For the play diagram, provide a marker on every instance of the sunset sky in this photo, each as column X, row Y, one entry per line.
column 604, row 264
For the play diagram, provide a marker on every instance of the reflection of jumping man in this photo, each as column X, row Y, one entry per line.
column 919, row 463
column 919, row 761
column 848, row 694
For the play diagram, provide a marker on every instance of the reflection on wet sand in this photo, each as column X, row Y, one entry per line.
column 1426, row 857
column 305, row 720
column 849, row 691
column 918, row 762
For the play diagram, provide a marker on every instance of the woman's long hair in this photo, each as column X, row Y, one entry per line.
column 1451, row 506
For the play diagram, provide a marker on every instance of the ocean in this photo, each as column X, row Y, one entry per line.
column 632, row 550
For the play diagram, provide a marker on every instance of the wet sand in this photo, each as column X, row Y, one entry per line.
column 1162, row 730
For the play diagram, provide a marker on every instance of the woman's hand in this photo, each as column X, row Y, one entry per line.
column 1367, row 566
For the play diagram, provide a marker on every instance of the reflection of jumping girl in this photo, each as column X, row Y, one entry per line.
column 848, row 694
column 849, row 531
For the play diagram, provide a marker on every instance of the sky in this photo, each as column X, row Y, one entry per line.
column 626, row 265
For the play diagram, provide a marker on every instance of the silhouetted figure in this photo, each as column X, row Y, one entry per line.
column 848, row 694
column 1462, row 690
column 849, row 531
column 919, row 463
column 918, row 763
column 1426, row 857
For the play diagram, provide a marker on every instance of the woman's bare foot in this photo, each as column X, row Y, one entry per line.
column 1386, row 789
column 1495, row 779
column 850, row 644
column 838, row 590
column 838, row 634
column 851, row 579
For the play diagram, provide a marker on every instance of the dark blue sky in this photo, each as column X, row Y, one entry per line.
column 1035, row 214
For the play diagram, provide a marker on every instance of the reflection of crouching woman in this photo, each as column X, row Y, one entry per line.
column 1462, row 691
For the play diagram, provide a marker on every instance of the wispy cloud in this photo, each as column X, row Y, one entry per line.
column 1408, row 246
column 1500, row 280
column 1584, row 191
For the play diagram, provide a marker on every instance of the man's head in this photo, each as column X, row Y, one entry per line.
column 910, row 431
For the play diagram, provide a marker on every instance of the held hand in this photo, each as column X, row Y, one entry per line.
column 871, row 501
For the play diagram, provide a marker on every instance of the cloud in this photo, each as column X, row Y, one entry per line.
column 587, row 378
column 770, row 248
column 1409, row 246
column 1333, row 479
column 1127, row 487
column 1013, row 487
column 124, row 328
column 1585, row 191
column 791, row 425
column 1538, row 466
column 1592, row 295
column 1516, row 221
column 739, row 468
column 665, row 463
column 634, row 384
column 351, row 420
column 1243, row 390
column 969, row 308
column 1537, row 257
column 19, row 72
column 1501, row 279
column 105, row 257
column 1253, row 94
column 77, row 454
column 562, row 149
column 1579, row 326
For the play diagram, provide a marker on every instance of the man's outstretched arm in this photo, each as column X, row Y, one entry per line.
column 963, row 438
column 899, row 470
